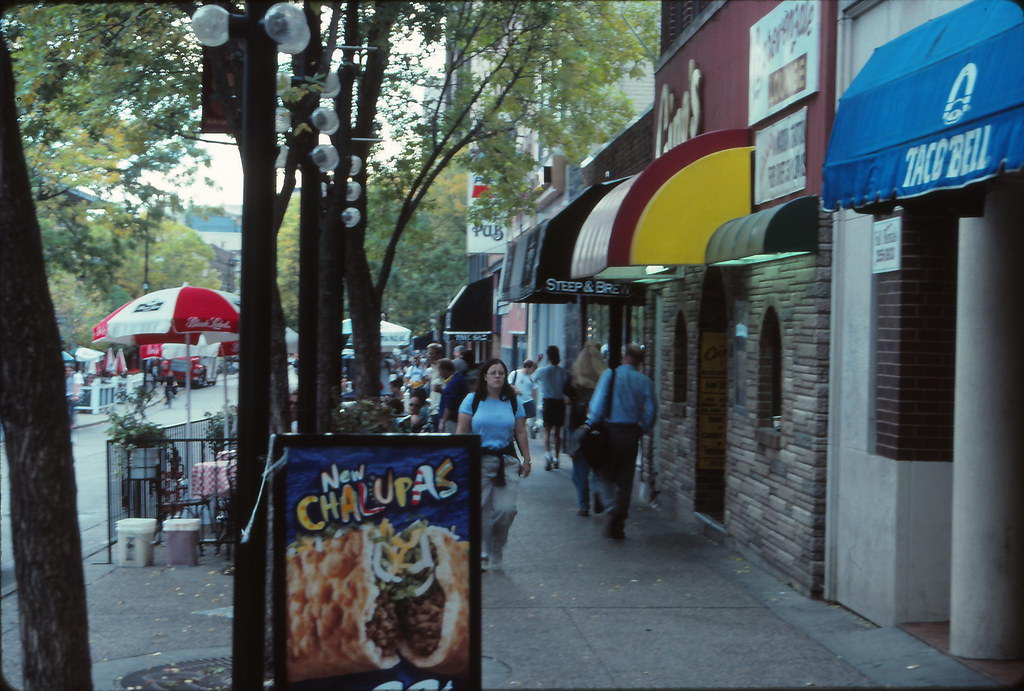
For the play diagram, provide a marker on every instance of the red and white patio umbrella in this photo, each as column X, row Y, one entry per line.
column 172, row 315
column 109, row 361
column 120, row 365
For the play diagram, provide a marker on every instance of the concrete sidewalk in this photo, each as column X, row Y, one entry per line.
column 571, row 609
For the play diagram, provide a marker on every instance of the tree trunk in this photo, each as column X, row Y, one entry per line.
column 44, row 514
column 328, row 356
column 279, row 387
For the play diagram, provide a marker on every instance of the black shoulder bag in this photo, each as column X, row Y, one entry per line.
column 594, row 443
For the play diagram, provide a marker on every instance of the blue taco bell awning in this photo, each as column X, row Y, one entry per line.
column 938, row 108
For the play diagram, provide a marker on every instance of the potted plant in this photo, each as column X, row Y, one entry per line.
column 366, row 416
column 215, row 428
column 132, row 431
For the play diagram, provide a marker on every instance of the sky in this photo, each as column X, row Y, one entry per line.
column 226, row 172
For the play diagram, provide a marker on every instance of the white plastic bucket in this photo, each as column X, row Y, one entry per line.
column 182, row 538
column 135, row 541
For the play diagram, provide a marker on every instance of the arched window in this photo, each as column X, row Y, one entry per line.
column 679, row 360
column 769, row 389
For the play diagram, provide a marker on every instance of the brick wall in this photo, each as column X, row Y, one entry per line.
column 916, row 344
column 628, row 154
column 775, row 482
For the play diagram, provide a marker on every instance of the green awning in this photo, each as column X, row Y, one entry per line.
column 780, row 231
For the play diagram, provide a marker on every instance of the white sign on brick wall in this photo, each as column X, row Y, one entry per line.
column 780, row 158
column 784, row 56
column 885, row 245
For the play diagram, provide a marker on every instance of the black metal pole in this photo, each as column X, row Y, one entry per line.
column 309, row 242
column 615, row 335
column 258, row 263
column 306, row 64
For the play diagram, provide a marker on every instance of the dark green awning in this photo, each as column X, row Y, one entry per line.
column 783, row 230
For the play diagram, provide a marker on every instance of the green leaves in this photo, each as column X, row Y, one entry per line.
column 108, row 98
column 553, row 69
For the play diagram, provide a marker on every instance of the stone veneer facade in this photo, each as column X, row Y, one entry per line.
column 774, row 495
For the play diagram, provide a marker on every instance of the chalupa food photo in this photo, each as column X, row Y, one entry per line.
column 368, row 597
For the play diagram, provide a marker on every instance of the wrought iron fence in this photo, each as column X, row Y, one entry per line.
column 159, row 482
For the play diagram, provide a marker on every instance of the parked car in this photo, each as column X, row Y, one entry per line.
column 204, row 370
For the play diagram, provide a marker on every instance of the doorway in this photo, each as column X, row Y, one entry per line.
column 712, row 399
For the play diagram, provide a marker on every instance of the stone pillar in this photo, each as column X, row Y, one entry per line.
column 987, row 579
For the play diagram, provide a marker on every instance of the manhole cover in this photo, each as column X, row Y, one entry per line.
column 211, row 674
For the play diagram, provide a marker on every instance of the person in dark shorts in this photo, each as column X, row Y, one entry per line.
column 551, row 381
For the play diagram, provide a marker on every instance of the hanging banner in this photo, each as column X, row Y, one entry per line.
column 376, row 537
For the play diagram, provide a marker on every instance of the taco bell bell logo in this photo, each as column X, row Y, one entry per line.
column 958, row 104
column 955, row 156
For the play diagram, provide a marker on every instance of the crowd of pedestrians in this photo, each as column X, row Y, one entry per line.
column 431, row 392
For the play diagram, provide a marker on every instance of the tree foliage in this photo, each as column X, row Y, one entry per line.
column 428, row 270
column 459, row 83
column 108, row 102
column 47, row 545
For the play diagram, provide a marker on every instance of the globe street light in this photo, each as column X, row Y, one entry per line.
column 214, row 26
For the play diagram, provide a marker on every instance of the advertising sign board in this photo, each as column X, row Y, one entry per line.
column 483, row 237
column 885, row 245
column 376, row 558
column 784, row 57
column 780, row 155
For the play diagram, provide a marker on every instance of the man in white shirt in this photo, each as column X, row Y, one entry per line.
column 551, row 384
column 522, row 381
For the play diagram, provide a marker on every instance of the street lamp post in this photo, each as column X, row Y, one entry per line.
column 265, row 30
column 259, row 94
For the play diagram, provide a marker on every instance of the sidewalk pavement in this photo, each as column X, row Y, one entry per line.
column 664, row 608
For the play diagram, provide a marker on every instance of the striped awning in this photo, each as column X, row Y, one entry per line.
column 666, row 214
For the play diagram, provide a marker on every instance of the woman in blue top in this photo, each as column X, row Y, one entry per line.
column 493, row 412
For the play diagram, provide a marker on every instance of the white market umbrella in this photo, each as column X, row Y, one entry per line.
column 391, row 335
column 89, row 358
column 83, row 354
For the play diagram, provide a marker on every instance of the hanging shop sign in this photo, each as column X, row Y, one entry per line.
column 678, row 121
column 885, row 245
column 377, row 540
column 590, row 288
column 781, row 158
column 784, row 57
column 483, row 237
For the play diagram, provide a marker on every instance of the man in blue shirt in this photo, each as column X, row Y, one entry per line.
column 631, row 415
column 452, row 393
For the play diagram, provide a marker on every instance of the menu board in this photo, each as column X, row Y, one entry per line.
column 712, row 400
column 376, row 556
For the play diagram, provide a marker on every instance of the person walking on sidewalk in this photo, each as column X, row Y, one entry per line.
column 586, row 371
column 632, row 414
column 522, row 383
column 73, row 383
column 493, row 412
column 552, row 381
column 453, row 392
column 170, row 389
